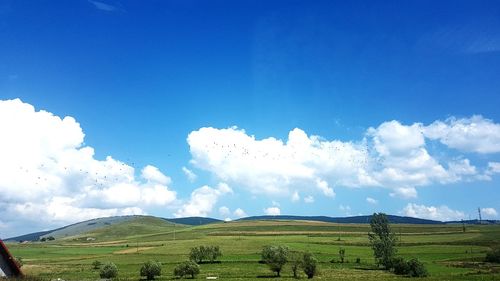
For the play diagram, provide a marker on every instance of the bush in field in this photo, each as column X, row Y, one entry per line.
column 96, row 264
column 275, row 257
column 309, row 264
column 493, row 256
column 412, row 268
column 109, row 270
column 205, row 253
column 187, row 268
column 150, row 269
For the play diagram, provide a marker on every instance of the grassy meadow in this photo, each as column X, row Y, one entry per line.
column 447, row 251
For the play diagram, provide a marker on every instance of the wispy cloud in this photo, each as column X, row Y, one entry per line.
column 103, row 6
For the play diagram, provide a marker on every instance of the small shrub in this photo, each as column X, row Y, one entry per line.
column 309, row 264
column 417, row 268
column 187, row 268
column 96, row 264
column 412, row 268
column 150, row 269
column 109, row 270
column 493, row 256
column 342, row 255
column 358, row 260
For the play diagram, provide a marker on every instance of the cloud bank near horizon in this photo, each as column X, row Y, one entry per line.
column 49, row 177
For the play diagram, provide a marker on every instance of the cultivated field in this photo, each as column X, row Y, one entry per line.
column 447, row 251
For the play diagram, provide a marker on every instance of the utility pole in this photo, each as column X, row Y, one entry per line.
column 479, row 212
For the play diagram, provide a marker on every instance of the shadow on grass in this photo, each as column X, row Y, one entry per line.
column 267, row 276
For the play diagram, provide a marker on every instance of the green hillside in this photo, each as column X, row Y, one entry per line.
column 447, row 251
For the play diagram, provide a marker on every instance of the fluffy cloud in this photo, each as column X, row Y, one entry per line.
column 295, row 197
column 441, row 213
column 202, row 201
column 239, row 213
column 371, row 201
column 474, row 134
column 392, row 155
column 47, row 170
column 224, row 211
column 489, row 212
column 189, row 174
column 272, row 211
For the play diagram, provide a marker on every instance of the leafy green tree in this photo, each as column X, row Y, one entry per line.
column 493, row 256
column 109, row 270
column 309, row 264
column 214, row 253
column 150, row 269
column 205, row 253
column 275, row 257
column 382, row 240
column 342, row 254
column 189, row 268
column 295, row 262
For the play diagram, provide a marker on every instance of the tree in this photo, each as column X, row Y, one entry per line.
column 382, row 240
column 150, row 269
column 109, row 270
column 309, row 264
column 275, row 257
column 296, row 263
column 187, row 268
column 342, row 254
column 205, row 253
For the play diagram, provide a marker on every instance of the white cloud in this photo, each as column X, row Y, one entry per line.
column 295, row 197
column 371, row 201
column 153, row 174
column 224, row 211
column 404, row 192
column 345, row 209
column 202, row 201
column 309, row 199
column 239, row 213
column 392, row 155
column 272, row 211
column 46, row 167
column 489, row 212
column 441, row 213
column 103, row 6
column 474, row 134
column 189, row 174
column 493, row 168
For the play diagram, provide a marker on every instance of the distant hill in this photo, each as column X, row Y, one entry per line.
column 193, row 220
column 142, row 224
column 354, row 219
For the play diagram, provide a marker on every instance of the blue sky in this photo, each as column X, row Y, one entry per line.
column 139, row 77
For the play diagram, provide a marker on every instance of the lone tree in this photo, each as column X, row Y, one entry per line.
column 309, row 264
column 189, row 268
column 275, row 257
column 382, row 240
column 296, row 263
column 150, row 269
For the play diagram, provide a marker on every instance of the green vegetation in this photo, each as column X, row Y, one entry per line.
column 493, row 256
column 96, row 265
column 203, row 254
column 445, row 250
column 382, row 240
column 150, row 269
column 309, row 264
column 275, row 257
column 187, row 268
column 109, row 270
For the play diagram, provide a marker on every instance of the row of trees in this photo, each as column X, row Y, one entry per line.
column 202, row 254
column 277, row 256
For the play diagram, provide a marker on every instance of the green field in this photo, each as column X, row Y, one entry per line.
column 447, row 251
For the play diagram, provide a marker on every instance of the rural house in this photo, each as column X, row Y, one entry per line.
column 8, row 266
